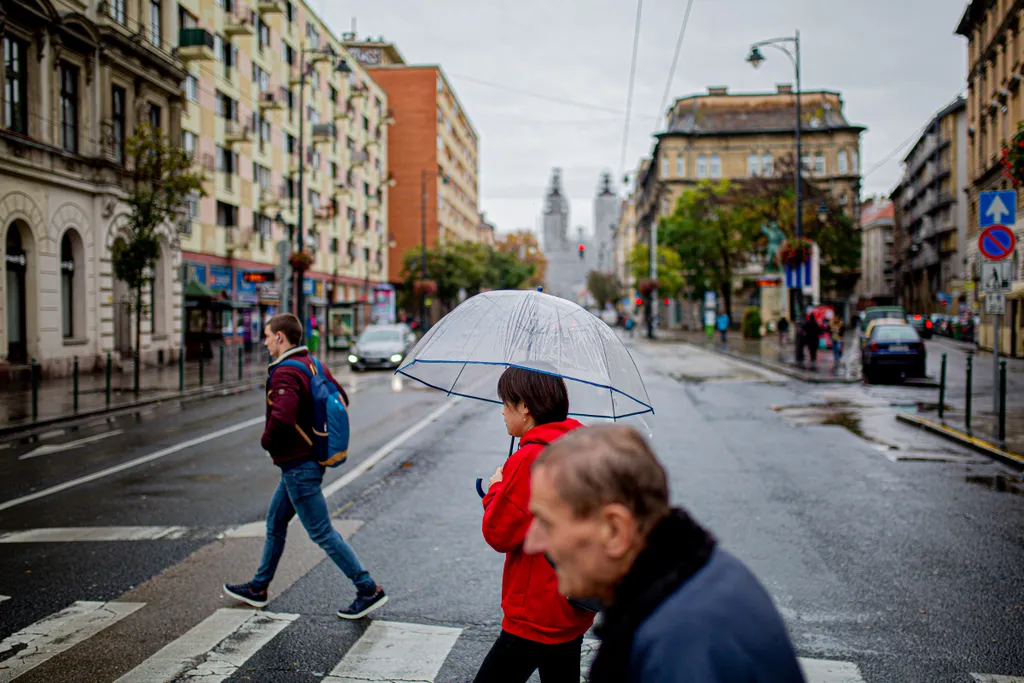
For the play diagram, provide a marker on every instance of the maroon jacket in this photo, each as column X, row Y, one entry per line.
column 290, row 410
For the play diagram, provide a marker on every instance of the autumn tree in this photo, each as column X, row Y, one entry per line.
column 604, row 287
column 523, row 244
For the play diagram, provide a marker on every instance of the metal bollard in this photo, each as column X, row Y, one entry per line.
column 136, row 373
column 942, row 389
column 75, row 376
column 202, row 351
column 239, row 362
column 221, row 364
column 35, row 389
column 1002, row 404
column 181, row 369
column 970, row 375
column 108, row 378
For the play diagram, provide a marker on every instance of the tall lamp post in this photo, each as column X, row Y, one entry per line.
column 755, row 58
column 424, row 174
column 305, row 68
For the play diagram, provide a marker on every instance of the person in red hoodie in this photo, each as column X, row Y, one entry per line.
column 540, row 628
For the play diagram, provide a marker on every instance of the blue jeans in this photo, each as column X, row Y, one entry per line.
column 299, row 492
column 837, row 351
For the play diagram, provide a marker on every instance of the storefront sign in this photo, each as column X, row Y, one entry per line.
column 246, row 290
column 195, row 272
column 269, row 291
column 220, row 278
column 383, row 305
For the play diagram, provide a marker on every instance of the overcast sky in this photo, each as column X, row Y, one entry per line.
column 895, row 62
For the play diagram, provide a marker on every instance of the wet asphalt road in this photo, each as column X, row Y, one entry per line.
column 881, row 545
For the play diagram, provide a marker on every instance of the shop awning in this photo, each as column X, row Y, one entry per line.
column 197, row 290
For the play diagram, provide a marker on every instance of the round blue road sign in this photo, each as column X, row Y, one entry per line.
column 996, row 242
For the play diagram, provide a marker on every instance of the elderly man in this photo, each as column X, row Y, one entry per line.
column 678, row 607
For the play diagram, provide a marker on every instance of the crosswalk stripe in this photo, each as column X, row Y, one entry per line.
column 58, row 632
column 830, row 671
column 213, row 649
column 992, row 678
column 395, row 651
column 4, row 597
column 96, row 533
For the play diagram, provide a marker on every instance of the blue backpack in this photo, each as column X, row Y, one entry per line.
column 330, row 417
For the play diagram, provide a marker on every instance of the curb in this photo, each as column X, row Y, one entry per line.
column 963, row 438
column 780, row 368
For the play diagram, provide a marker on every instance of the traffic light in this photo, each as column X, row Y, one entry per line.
column 665, row 301
column 582, row 248
column 639, row 301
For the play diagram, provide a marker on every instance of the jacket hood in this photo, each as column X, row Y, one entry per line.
column 547, row 433
column 294, row 351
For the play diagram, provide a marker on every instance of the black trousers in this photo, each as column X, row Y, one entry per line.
column 513, row 660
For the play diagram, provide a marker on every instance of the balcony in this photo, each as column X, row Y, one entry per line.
column 236, row 238
column 270, row 101
column 342, row 114
column 359, row 159
column 270, row 7
column 357, row 93
column 389, row 118
column 324, row 214
column 239, row 24
column 269, row 198
column 373, row 146
column 295, row 76
column 391, row 182
column 234, row 133
column 324, row 132
column 195, row 45
column 373, row 201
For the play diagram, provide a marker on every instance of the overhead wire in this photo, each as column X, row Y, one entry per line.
column 675, row 59
column 632, row 80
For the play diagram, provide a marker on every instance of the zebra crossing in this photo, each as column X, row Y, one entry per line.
column 221, row 644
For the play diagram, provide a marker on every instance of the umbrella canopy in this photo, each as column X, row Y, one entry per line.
column 466, row 352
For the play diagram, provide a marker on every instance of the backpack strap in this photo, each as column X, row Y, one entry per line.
column 292, row 364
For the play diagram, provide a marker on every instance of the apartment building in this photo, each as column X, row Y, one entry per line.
column 877, row 256
column 78, row 78
column 435, row 160
column 288, row 126
column 995, row 106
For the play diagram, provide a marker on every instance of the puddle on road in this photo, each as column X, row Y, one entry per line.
column 997, row 482
column 846, row 420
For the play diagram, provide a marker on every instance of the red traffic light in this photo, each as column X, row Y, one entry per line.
column 582, row 246
column 666, row 301
column 639, row 301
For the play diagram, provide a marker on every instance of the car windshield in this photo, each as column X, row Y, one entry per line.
column 895, row 333
column 380, row 337
column 884, row 313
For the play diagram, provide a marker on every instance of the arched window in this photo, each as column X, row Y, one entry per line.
column 681, row 165
column 702, row 166
column 67, row 286
column 767, row 165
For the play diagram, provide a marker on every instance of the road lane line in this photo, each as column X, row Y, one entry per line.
column 213, row 649
column 992, row 678
column 60, row 447
column 387, row 448
column 830, row 671
column 4, row 597
column 58, row 632
column 131, row 463
column 393, row 651
column 96, row 533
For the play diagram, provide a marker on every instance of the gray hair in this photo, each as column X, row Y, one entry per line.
column 596, row 466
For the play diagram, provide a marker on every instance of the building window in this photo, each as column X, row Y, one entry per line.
column 154, row 117
column 69, row 107
column 67, row 285
column 819, row 163
column 287, row 53
column 289, row 13
column 117, row 109
column 753, row 165
column 264, row 34
column 226, row 161
column 117, row 11
column 855, row 162
column 805, row 163
column 681, row 166
column 767, row 165
column 315, row 79
column 841, row 162
column 227, row 215
column 192, row 88
column 261, row 174
column 155, row 28
column 664, row 165
column 702, row 166
column 188, row 142
column 186, row 19
column 16, row 86
column 716, row 166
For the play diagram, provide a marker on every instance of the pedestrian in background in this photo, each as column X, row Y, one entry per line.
column 677, row 606
column 837, row 330
column 811, row 335
column 709, row 324
column 723, row 325
column 286, row 438
column 540, row 629
column 783, row 330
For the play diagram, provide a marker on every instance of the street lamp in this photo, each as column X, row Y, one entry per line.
column 424, row 173
column 305, row 68
column 754, row 59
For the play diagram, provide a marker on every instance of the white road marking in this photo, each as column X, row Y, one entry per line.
column 57, row 448
column 387, row 448
column 830, row 671
column 56, row 633
column 131, row 463
column 992, row 678
column 4, row 597
column 96, row 533
column 393, row 651
column 345, row 527
column 213, row 649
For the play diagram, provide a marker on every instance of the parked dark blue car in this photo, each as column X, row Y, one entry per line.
column 895, row 350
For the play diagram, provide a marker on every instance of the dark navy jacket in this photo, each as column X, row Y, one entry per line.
column 719, row 626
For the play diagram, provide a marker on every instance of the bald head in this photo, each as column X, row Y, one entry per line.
column 608, row 464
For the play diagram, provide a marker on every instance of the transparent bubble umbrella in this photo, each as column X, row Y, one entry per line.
column 465, row 353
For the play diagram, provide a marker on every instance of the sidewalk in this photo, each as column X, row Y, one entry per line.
column 56, row 398
column 767, row 352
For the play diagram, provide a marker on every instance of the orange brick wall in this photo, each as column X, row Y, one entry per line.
column 412, row 148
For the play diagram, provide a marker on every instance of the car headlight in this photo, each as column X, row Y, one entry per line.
column 397, row 358
column 352, row 358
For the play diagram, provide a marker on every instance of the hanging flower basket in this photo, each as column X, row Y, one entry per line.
column 1012, row 159
column 300, row 260
column 424, row 287
column 795, row 251
column 645, row 287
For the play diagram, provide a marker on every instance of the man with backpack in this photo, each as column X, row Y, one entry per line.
column 304, row 434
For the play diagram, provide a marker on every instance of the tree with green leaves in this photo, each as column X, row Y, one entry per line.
column 670, row 273
column 160, row 180
column 604, row 287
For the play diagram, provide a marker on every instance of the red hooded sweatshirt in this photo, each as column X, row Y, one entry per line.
column 533, row 607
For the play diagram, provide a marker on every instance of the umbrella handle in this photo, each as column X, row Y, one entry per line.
column 480, row 487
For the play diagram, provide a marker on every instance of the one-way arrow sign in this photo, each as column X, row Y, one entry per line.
column 997, row 208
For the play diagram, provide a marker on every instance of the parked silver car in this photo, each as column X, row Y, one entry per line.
column 381, row 346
